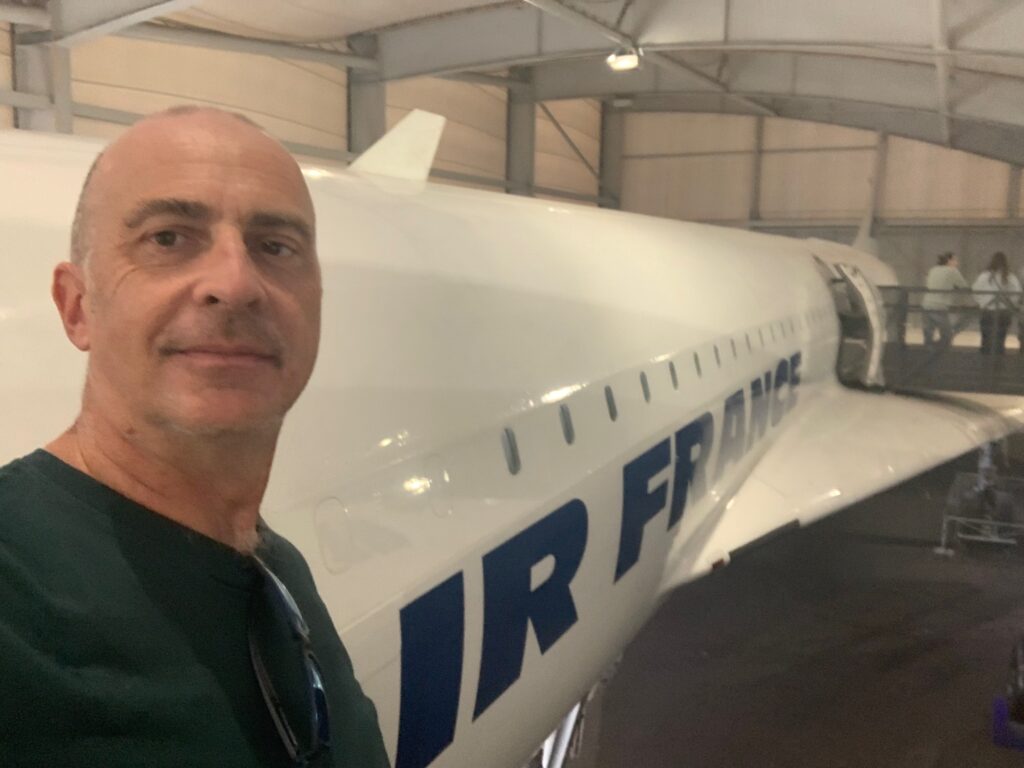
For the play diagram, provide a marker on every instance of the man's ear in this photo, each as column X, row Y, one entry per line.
column 68, row 293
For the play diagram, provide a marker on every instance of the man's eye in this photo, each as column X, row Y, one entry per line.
column 276, row 248
column 167, row 239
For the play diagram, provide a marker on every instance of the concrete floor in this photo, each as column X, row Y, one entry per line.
column 848, row 644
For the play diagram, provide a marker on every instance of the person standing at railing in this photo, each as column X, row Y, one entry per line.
column 943, row 279
column 997, row 291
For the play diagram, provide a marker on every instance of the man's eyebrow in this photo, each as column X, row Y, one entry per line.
column 188, row 209
column 270, row 220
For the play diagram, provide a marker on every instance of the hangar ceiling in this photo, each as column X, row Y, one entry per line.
column 944, row 71
column 949, row 72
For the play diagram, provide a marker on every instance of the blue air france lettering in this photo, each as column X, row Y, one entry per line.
column 433, row 625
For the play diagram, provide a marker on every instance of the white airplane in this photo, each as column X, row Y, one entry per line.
column 529, row 422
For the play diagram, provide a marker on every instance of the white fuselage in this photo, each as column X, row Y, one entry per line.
column 478, row 605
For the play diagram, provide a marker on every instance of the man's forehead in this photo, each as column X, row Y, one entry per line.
column 218, row 155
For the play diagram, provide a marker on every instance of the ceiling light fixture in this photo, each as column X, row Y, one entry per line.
column 624, row 59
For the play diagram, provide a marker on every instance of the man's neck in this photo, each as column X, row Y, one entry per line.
column 213, row 485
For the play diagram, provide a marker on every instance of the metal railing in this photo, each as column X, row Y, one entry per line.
column 959, row 341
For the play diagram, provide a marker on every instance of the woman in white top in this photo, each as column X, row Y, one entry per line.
column 997, row 291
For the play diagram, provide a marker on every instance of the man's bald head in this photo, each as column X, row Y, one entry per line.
column 81, row 228
column 199, row 302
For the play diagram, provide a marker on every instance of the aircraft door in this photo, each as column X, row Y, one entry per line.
column 864, row 331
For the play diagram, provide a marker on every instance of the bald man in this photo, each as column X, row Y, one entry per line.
column 147, row 616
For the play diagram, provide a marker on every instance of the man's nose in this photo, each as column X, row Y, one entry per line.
column 228, row 274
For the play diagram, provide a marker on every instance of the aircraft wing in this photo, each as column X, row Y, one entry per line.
column 841, row 447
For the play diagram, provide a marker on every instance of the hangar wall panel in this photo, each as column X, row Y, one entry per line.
column 653, row 133
column 555, row 164
column 782, row 133
column 924, row 180
column 295, row 101
column 6, row 113
column 474, row 136
column 813, row 185
column 705, row 188
column 688, row 166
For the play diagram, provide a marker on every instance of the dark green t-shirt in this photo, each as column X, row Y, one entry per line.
column 123, row 636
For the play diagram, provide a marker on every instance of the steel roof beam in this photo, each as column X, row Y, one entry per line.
column 20, row 14
column 557, row 9
column 493, row 81
column 220, row 41
column 666, row 62
column 77, row 21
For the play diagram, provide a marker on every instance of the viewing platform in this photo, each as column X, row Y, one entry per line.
column 952, row 364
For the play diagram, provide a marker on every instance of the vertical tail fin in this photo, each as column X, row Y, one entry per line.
column 406, row 151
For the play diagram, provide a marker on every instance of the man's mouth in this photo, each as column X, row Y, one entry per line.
column 226, row 354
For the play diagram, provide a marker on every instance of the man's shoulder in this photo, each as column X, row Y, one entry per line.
column 15, row 472
column 44, row 525
column 22, row 487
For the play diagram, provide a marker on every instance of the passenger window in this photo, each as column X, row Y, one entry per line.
column 508, row 442
column 609, row 398
column 567, row 429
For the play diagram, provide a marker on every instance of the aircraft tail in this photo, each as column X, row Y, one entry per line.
column 406, row 151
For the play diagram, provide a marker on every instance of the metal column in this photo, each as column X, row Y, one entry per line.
column 613, row 138
column 43, row 70
column 367, row 100
column 521, row 140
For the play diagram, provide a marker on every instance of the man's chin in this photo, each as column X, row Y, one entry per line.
column 222, row 424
